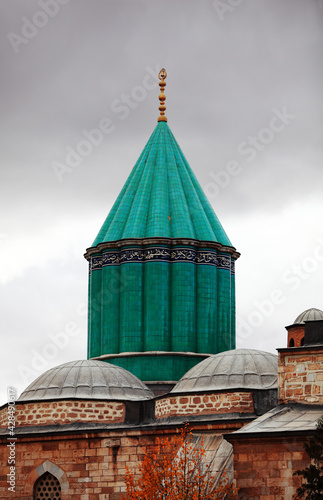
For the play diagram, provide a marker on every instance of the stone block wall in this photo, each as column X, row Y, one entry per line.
column 64, row 412
column 300, row 375
column 204, row 404
column 263, row 468
column 89, row 466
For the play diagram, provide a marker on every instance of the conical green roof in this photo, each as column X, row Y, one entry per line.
column 162, row 198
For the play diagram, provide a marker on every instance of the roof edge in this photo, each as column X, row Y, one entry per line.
column 161, row 241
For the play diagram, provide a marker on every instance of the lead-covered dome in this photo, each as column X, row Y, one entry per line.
column 86, row 379
column 312, row 314
column 236, row 369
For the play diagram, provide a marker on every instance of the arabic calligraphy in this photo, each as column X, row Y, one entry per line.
column 161, row 254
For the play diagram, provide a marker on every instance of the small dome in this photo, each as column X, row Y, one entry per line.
column 237, row 369
column 312, row 314
column 86, row 379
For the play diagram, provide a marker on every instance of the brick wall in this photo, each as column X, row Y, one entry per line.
column 264, row 468
column 300, row 375
column 64, row 412
column 297, row 334
column 204, row 404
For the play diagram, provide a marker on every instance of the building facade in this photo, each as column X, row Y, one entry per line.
column 161, row 349
column 161, row 284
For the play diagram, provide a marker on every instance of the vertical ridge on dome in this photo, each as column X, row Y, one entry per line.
column 180, row 212
column 86, row 379
column 311, row 314
column 115, row 221
column 141, row 210
column 161, row 285
column 157, row 221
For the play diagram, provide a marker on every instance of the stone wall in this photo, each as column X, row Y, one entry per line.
column 89, row 465
column 300, row 375
column 263, row 468
column 64, row 412
column 204, row 404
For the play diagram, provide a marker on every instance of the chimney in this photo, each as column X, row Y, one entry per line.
column 300, row 369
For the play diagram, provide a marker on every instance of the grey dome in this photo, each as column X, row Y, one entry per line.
column 312, row 314
column 86, row 379
column 237, row 369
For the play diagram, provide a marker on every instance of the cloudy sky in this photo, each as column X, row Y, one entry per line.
column 244, row 101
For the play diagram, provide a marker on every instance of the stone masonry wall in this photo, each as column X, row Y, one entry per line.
column 64, row 412
column 204, row 404
column 89, row 465
column 300, row 376
column 263, row 468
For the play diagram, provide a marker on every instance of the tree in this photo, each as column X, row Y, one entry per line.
column 312, row 488
column 176, row 470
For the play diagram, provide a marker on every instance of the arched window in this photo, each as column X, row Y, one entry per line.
column 291, row 343
column 47, row 486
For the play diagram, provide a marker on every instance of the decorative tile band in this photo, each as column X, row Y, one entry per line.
column 160, row 254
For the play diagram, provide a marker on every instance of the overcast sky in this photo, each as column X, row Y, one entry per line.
column 244, row 101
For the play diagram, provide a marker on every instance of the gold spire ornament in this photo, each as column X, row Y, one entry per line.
column 162, row 108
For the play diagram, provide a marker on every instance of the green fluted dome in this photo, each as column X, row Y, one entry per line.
column 161, row 285
column 162, row 198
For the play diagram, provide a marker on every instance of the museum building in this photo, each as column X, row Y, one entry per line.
column 161, row 353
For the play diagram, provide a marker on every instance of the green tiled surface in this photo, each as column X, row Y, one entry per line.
column 160, row 305
column 157, row 368
column 206, row 303
column 233, row 313
column 183, row 307
column 94, row 315
column 162, row 198
column 131, row 310
column 110, row 301
column 224, row 306
column 156, row 307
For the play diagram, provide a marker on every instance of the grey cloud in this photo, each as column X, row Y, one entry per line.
column 224, row 80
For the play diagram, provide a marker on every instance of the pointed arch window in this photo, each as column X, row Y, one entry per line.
column 48, row 487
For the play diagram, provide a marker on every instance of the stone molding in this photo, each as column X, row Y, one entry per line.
column 50, row 467
column 161, row 254
column 168, row 242
column 153, row 353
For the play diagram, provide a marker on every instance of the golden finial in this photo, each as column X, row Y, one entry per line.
column 162, row 108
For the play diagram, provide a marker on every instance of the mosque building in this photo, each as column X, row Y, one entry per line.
column 164, row 245
column 161, row 353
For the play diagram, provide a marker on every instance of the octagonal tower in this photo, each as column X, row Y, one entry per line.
column 161, row 285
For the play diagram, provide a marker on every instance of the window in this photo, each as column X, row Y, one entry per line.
column 291, row 343
column 47, row 486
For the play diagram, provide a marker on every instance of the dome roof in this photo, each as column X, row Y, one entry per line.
column 86, row 379
column 312, row 314
column 237, row 369
column 162, row 198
